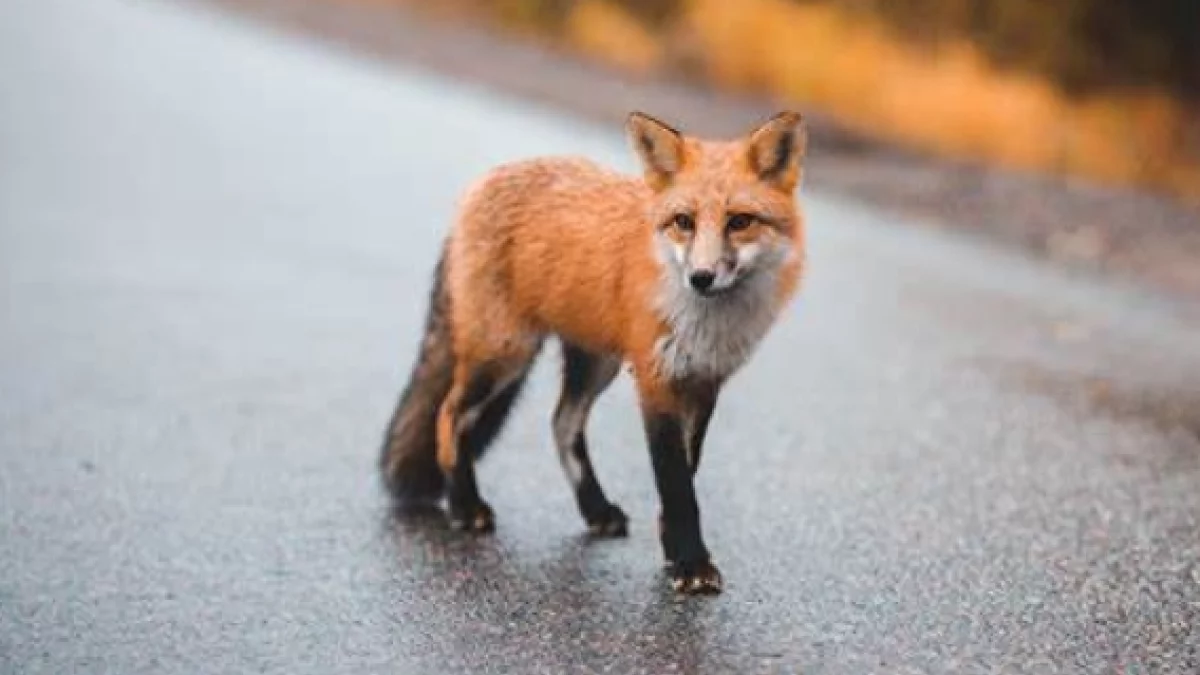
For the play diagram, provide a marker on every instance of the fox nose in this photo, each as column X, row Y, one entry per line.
column 702, row 280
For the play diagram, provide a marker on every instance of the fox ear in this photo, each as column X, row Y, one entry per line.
column 659, row 147
column 776, row 149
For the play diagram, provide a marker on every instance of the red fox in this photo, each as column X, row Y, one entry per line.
column 677, row 274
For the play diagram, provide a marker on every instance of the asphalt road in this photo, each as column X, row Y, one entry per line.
column 215, row 242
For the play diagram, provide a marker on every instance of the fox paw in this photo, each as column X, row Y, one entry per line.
column 609, row 521
column 477, row 517
column 701, row 578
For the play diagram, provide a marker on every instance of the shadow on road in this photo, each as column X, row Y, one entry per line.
column 494, row 596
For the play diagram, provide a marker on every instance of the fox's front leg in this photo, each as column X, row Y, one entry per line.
column 666, row 417
column 699, row 402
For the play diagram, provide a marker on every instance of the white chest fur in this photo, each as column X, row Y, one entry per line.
column 713, row 336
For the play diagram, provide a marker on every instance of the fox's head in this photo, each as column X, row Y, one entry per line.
column 723, row 210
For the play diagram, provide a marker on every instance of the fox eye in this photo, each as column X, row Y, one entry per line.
column 739, row 221
column 684, row 222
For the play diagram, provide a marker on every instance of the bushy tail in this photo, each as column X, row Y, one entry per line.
column 409, row 457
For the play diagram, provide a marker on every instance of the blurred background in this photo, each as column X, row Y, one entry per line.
column 1100, row 88
column 1070, row 129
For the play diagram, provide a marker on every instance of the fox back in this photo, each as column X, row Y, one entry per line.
column 682, row 269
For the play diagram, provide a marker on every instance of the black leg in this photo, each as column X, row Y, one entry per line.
column 691, row 568
column 585, row 377
column 700, row 406
column 478, row 436
column 468, row 511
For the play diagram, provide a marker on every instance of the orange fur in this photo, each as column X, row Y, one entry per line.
column 564, row 246
column 678, row 273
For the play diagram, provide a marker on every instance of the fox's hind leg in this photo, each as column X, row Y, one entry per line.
column 471, row 415
column 585, row 377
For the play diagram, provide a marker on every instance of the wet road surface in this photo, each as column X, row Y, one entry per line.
column 215, row 243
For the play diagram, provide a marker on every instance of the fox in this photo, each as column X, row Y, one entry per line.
column 675, row 275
